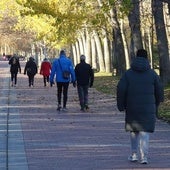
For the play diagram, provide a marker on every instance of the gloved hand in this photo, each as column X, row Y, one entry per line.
column 51, row 83
column 74, row 84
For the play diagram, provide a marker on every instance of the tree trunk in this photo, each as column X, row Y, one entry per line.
column 77, row 52
column 125, row 44
column 88, row 48
column 157, row 8
column 93, row 54
column 106, row 52
column 118, row 47
column 99, row 52
column 81, row 46
column 134, row 23
column 74, row 55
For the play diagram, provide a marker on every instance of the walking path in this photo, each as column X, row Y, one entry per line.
column 40, row 138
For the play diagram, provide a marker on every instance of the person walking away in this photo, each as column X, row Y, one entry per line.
column 139, row 93
column 45, row 70
column 14, row 68
column 85, row 77
column 30, row 70
column 59, row 67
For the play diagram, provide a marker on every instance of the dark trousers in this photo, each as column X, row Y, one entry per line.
column 62, row 87
column 46, row 80
column 83, row 95
column 31, row 79
column 14, row 77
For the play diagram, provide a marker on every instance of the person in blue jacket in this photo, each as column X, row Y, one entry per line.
column 59, row 66
column 139, row 93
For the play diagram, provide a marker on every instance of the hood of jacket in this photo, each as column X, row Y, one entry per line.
column 140, row 64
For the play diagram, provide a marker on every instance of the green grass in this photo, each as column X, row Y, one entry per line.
column 164, row 109
column 106, row 83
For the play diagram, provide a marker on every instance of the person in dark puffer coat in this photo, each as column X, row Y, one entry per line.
column 139, row 93
column 31, row 70
column 14, row 68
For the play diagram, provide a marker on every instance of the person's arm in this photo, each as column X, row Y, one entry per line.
column 159, row 90
column 72, row 71
column 25, row 69
column 91, row 76
column 19, row 66
column 53, row 72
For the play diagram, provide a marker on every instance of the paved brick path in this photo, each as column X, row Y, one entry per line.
column 73, row 140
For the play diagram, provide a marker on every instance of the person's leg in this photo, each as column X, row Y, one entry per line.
column 12, row 78
column 59, row 91
column 15, row 78
column 47, row 79
column 44, row 77
column 85, row 90
column 32, row 80
column 134, row 139
column 81, row 96
column 144, row 146
column 65, row 93
column 29, row 80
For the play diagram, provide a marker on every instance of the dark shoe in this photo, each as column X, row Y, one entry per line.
column 59, row 107
column 82, row 109
column 12, row 84
column 86, row 107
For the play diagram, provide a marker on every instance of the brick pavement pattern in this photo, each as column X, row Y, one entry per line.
column 75, row 140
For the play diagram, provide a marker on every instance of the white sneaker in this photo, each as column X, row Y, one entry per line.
column 64, row 109
column 144, row 160
column 133, row 157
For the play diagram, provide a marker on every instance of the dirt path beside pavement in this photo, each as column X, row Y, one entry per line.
column 94, row 140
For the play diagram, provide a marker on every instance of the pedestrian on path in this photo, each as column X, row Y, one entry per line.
column 45, row 70
column 30, row 70
column 59, row 67
column 14, row 68
column 139, row 93
column 85, row 77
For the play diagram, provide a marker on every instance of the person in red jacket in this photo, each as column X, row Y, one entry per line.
column 45, row 70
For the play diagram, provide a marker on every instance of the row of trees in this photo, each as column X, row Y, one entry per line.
column 108, row 32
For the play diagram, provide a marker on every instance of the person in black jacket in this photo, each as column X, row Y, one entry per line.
column 31, row 70
column 14, row 68
column 85, row 77
column 139, row 93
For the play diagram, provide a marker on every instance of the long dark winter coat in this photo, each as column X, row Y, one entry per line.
column 30, row 67
column 139, row 93
column 15, row 65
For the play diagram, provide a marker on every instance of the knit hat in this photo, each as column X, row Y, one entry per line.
column 142, row 53
column 82, row 57
column 62, row 52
